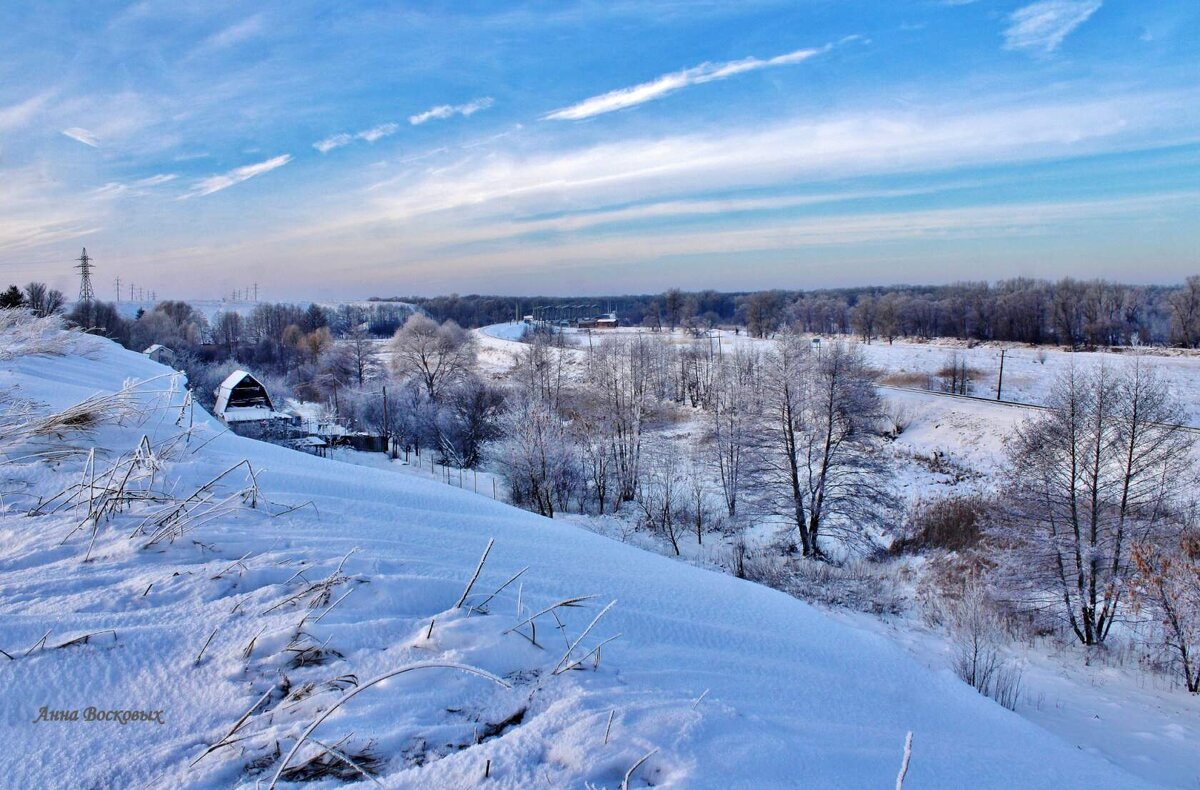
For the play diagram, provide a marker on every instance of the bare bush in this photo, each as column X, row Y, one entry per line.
column 1167, row 583
column 951, row 523
column 977, row 658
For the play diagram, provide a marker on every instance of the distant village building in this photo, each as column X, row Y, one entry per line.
column 161, row 354
column 608, row 321
column 244, row 404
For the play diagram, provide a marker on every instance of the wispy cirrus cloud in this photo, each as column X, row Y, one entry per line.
column 155, row 180
column 207, row 186
column 333, row 141
column 17, row 115
column 82, row 136
column 344, row 139
column 235, row 34
column 448, row 110
column 1042, row 26
column 670, row 83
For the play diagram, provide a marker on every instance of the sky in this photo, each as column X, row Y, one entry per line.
column 345, row 150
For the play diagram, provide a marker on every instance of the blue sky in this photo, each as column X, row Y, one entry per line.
column 345, row 150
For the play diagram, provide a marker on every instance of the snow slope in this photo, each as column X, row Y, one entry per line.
column 794, row 698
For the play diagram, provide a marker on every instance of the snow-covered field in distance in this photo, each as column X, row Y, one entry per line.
column 729, row 684
column 1029, row 372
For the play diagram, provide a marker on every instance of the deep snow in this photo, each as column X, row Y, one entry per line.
column 791, row 696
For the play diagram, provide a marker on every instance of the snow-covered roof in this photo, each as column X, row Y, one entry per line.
column 156, row 347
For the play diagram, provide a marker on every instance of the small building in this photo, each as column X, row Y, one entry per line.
column 606, row 321
column 161, row 354
column 311, row 444
column 244, row 404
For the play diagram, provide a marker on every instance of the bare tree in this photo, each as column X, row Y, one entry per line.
column 662, row 496
column 620, row 377
column 363, row 351
column 435, row 355
column 1097, row 472
column 539, row 466
column 732, row 409
column 1185, row 313
column 228, row 329
column 42, row 300
column 468, row 416
column 591, row 435
column 819, row 442
column 696, row 494
column 541, row 368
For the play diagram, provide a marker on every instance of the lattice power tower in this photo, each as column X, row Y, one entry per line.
column 86, row 293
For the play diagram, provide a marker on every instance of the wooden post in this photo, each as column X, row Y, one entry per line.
column 1000, row 380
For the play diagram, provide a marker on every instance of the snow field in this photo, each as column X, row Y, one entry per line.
column 729, row 684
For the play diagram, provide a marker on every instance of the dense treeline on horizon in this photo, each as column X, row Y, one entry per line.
column 1075, row 313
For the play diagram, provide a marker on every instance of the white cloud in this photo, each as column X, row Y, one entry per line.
column 377, row 132
column 82, row 136
column 207, row 186
column 1042, row 26
column 330, row 143
column 155, row 180
column 343, row 139
column 642, row 169
column 669, row 83
column 17, row 115
column 448, row 110
column 235, row 34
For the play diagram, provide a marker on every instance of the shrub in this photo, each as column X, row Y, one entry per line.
column 950, row 523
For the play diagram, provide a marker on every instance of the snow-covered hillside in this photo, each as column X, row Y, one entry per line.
column 240, row 591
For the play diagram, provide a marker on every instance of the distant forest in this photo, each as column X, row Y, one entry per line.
column 1075, row 313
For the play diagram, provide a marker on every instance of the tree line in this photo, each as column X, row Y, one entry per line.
column 1066, row 312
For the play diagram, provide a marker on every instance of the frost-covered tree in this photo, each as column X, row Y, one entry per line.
column 468, row 417
column 620, row 377
column 1100, row 470
column 733, row 406
column 364, row 353
column 819, row 444
column 436, row 355
column 662, row 496
column 537, row 460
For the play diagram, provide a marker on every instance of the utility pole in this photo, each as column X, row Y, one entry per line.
column 1000, row 380
column 131, row 292
column 387, row 426
column 256, row 292
column 86, row 293
column 118, row 288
